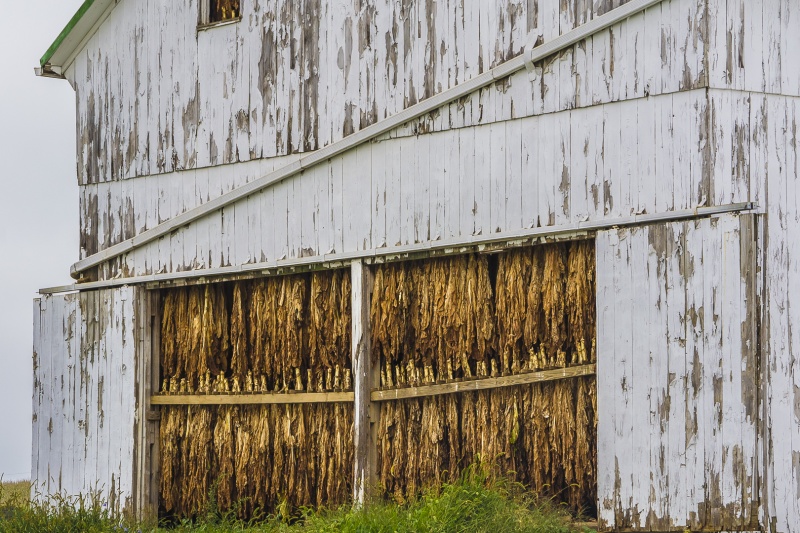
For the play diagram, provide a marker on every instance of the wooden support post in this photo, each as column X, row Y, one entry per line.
column 146, row 453
column 364, row 380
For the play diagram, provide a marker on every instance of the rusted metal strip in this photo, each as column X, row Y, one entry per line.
column 483, row 384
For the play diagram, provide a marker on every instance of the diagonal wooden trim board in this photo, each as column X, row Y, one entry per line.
column 504, row 70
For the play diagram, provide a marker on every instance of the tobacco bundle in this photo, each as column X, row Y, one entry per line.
column 446, row 319
column 276, row 334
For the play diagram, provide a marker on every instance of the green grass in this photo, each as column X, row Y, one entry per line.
column 475, row 504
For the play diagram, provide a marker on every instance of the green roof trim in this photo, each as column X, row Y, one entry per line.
column 65, row 32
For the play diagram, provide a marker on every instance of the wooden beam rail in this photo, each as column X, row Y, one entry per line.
column 483, row 384
column 252, row 399
column 376, row 395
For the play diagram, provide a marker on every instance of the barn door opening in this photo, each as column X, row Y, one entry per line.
column 256, row 396
column 677, row 376
column 488, row 358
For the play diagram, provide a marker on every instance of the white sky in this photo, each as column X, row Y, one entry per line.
column 38, row 204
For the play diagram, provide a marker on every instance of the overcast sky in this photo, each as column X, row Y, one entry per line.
column 38, row 205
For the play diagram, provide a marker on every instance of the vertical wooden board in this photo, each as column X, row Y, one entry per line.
column 266, row 220
column 681, row 186
column 102, row 381
column 438, row 144
column 336, row 170
column 697, row 397
column 378, row 196
column 41, row 445
column 644, row 186
column 712, row 364
column 467, row 177
column 780, row 362
column 732, row 320
column 600, row 66
column 239, row 237
column 90, row 354
column 497, row 177
column 394, row 192
column 513, row 175
column 316, row 234
column 529, row 177
column 627, row 192
column 753, row 35
column 295, row 216
column 422, row 184
column 721, row 141
column 650, row 42
column 356, row 179
column 793, row 224
column 81, row 390
column 771, row 41
column 579, row 162
column 128, row 391
column 639, row 435
column 606, row 245
column 622, row 377
column 742, row 186
column 790, row 41
column 57, row 337
column 280, row 218
column 751, row 474
column 310, row 208
column 36, row 408
column 658, row 378
column 635, row 36
column 678, row 383
column 71, row 327
column 582, row 57
column 612, row 161
column 482, row 169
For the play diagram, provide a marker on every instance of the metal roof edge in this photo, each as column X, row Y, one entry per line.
column 82, row 24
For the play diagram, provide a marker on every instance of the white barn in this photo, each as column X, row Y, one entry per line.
column 225, row 140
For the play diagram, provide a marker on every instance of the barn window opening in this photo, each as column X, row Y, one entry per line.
column 218, row 11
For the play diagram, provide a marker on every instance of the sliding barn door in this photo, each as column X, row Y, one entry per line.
column 83, row 398
column 677, row 376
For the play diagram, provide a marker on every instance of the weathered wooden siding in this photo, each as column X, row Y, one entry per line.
column 678, row 376
column 779, row 118
column 83, row 397
column 640, row 156
column 656, row 52
column 155, row 95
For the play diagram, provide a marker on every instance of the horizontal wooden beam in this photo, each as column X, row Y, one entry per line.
column 252, row 399
column 376, row 395
column 483, row 384
column 445, row 246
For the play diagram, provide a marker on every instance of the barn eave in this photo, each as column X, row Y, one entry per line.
column 73, row 37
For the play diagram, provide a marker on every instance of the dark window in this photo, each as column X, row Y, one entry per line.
column 224, row 10
column 217, row 11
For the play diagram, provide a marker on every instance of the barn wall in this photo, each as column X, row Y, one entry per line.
column 657, row 52
column 296, row 76
column 83, row 399
column 640, row 156
column 678, row 376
